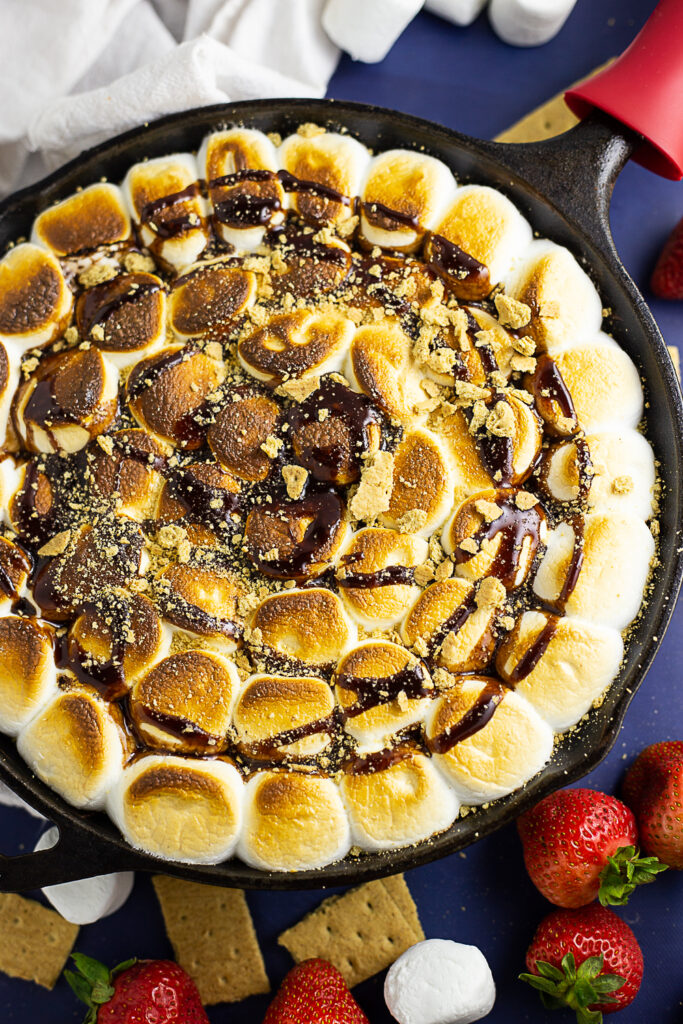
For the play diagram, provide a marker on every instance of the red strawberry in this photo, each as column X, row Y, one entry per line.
column 136, row 992
column 579, row 844
column 314, row 992
column 653, row 787
column 667, row 277
column 587, row 959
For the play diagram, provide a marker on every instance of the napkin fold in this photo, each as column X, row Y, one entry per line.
column 78, row 71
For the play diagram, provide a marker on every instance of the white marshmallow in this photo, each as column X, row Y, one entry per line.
column 88, row 899
column 367, row 29
column 528, row 22
column 460, row 12
column 439, row 981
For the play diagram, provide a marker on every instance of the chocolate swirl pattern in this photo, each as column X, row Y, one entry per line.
column 324, row 496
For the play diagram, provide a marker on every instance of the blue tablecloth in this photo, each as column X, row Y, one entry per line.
column 469, row 80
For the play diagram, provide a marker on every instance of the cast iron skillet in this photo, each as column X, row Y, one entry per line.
column 563, row 186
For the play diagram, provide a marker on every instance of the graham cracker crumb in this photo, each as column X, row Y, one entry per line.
column 424, row 574
column 501, row 420
column 97, row 273
column 300, row 388
column 138, row 263
column 271, row 446
column 444, row 571
column 309, row 130
column 512, row 313
column 56, row 545
column 525, row 500
column 525, row 345
column 412, row 521
column 376, row 484
column 622, row 485
column 295, row 478
column 488, row 509
column 491, row 593
column 469, row 545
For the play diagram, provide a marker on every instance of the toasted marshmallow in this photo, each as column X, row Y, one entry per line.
column 376, row 578
column 97, row 558
column 381, row 365
column 185, row 702
column 616, row 550
column 200, row 600
column 298, row 539
column 416, row 187
column 15, row 569
column 243, row 205
column 201, row 498
column 117, row 642
column 125, row 463
column 494, row 534
column 70, row 398
column 306, row 268
column 483, row 224
column 565, row 306
column 35, row 300
column 399, row 805
column 562, row 666
column 241, row 428
column 209, row 298
column 308, row 626
column 470, row 473
column 504, row 740
column 335, row 162
column 28, row 676
column 76, row 744
column 124, row 317
column 381, row 689
column 456, row 626
column 31, row 502
column 293, row 822
column 165, row 202
column 283, row 717
column 10, row 374
column 619, row 476
column 11, row 476
column 296, row 344
column 423, row 484
column 509, row 436
column 604, row 384
column 166, row 393
column 96, row 216
column 179, row 808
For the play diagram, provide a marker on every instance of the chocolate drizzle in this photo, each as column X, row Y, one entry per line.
column 391, row 576
column 479, row 715
column 575, row 563
column 169, row 227
column 467, row 277
column 516, row 526
column 372, row 691
column 531, row 657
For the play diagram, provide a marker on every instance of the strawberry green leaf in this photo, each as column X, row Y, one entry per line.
column 575, row 987
column 91, row 969
column 624, row 872
column 91, row 983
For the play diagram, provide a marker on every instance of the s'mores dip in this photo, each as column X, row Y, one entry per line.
column 327, row 500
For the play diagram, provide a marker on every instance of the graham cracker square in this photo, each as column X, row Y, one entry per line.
column 213, row 938
column 361, row 932
column 34, row 942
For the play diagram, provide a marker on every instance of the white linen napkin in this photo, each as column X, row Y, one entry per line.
column 78, row 71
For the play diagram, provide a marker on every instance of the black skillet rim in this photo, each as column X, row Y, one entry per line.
column 89, row 842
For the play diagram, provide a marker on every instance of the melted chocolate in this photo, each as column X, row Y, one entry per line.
column 99, row 303
column 372, row 691
column 326, row 511
column 144, row 376
column 356, row 413
column 515, row 525
column 549, row 389
column 472, row 721
column 453, row 624
column 380, row 214
column 271, row 747
column 468, row 276
column 169, row 227
column 530, row 659
column 12, row 560
column 392, row 576
column 575, row 563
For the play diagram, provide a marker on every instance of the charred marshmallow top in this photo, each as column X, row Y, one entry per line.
column 325, row 502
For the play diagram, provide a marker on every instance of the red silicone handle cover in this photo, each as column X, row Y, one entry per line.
column 644, row 90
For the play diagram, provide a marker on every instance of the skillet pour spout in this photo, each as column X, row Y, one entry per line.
column 563, row 187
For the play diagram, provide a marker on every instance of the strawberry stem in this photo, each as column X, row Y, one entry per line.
column 92, row 982
column 578, row 988
column 624, row 872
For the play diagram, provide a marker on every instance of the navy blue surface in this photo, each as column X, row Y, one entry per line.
column 468, row 80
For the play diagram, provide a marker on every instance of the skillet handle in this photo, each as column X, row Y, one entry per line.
column 643, row 90
column 76, row 855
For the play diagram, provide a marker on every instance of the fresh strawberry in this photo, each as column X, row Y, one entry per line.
column 579, row 844
column 653, row 788
column 136, row 992
column 667, row 277
column 314, row 992
column 587, row 959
